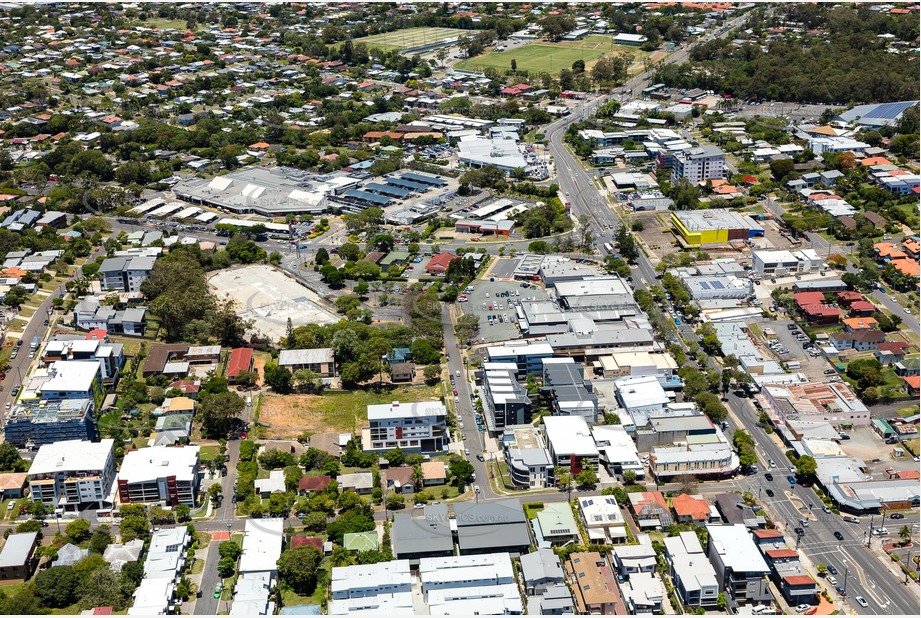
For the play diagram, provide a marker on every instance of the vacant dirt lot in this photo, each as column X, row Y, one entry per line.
column 288, row 416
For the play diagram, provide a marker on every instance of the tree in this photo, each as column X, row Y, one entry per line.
column 432, row 374
column 905, row 533
column 514, row 65
column 100, row 539
column 587, row 477
column 395, row 501
column 781, row 168
column 555, row 26
column 629, row 477
column 395, row 457
column 218, row 413
column 10, row 459
column 461, row 471
column 278, row 378
column 275, row 458
column 299, row 566
column 805, row 466
column 135, row 527
column 78, row 530
column 56, row 587
column 183, row 512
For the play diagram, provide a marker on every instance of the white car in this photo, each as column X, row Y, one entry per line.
column 802, row 607
column 861, row 601
column 467, row 452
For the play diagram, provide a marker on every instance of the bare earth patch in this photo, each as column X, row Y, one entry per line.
column 288, row 416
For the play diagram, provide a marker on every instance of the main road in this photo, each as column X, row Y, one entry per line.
column 868, row 575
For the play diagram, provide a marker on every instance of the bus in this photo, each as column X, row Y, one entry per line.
column 609, row 248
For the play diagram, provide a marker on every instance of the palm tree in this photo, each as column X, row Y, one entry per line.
column 341, row 557
column 905, row 533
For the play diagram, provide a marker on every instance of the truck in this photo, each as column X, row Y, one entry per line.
column 34, row 345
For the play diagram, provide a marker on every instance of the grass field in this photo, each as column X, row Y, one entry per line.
column 541, row 56
column 163, row 23
column 409, row 37
column 288, row 416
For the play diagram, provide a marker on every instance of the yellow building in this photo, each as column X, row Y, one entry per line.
column 714, row 226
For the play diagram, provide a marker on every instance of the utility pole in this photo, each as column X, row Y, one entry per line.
column 870, row 532
column 846, row 570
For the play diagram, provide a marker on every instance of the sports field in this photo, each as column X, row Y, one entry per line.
column 409, row 37
column 544, row 57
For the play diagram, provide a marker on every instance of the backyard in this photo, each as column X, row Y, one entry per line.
column 289, row 416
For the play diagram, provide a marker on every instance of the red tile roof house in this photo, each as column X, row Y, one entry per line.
column 241, row 359
column 862, row 308
column 813, row 307
column 889, row 352
column 691, row 509
column 862, row 341
column 308, row 484
column 439, row 263
column 312, row 541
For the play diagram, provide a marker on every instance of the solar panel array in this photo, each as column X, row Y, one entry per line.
column 890, row 110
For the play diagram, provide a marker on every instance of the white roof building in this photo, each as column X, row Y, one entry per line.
column 569, row 436
column 384, row 588
column 156, row 462
column 692, row 573
column 482, row 584
column 603, row 519
column 503, row 153
column 735, row 548
column 72, row 456
column 262, row 543
column 641, row 393
column 398, row 410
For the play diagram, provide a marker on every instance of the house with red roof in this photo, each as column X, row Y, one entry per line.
column 241, row 359
column 693, row 509
column 439, row 263
column 300, row 540
column 650, row 509
column 912, row 385
column 890, row 352
column 812, row 305
column 97, row 334
column 862, row 308
column 309, row 484
column 854, row 324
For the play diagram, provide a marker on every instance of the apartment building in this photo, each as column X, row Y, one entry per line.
column 72, row 474
column 740, row 569
column 570, row 442
column 384, row 588
column 528, row 357
column 66, row 380
column 163, row 568
column 419, row 427
column 125, row 274
column 160, row 474
column 696, row 164
column 693, row 575
column 263, row 540
column 506, row 399
column 780, row 263
column 480, row 585
column 110, row 356
column 32, row 423
column 570, row 394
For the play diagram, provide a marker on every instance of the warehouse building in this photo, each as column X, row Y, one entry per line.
column 715, row 225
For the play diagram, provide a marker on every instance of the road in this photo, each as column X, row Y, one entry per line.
column 872, row 578
column 19, row 366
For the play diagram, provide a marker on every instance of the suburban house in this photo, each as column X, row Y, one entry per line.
column 241, row 359
column 318, row 360
column 594, row 587
column 650, row 509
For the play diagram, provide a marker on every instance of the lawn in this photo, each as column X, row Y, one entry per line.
column 209, row 452
column 531, row 510
column 908, row 411
column 290, row 415
column 409, row 37
column 163, row 23
column 544, row 57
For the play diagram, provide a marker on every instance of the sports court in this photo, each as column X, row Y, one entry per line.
column 270, row 297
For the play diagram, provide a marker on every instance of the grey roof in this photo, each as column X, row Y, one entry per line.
column 541, row 565
column 70, row 554
column 417, row 535
column 313, row 356
column 499, row 525
column 16, row 550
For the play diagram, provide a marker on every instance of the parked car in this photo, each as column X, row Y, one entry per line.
column 832, row 569
column 802, row 607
